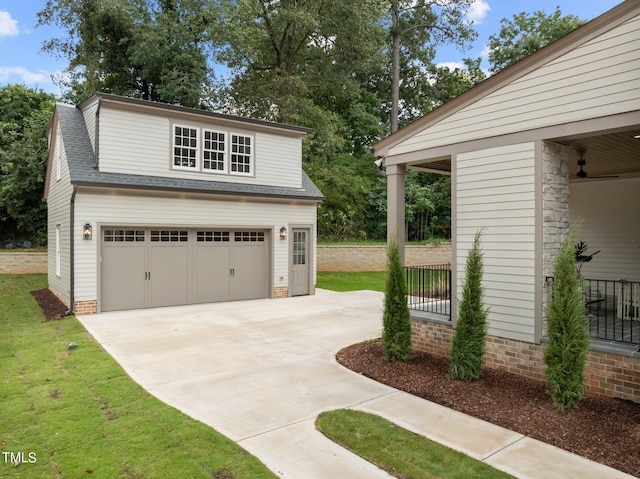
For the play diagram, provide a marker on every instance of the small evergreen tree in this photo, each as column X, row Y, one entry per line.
column 468, row 346
column 566, row 351
column 396, row 321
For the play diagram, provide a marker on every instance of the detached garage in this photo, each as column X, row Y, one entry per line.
column 154, row 205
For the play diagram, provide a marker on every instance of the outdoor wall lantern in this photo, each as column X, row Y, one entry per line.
column 283, row 233
column 86, row 231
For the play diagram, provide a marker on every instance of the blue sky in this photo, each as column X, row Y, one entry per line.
column 21, row 60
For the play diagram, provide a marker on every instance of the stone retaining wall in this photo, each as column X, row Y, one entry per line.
column 374, row 257
column 23, row 263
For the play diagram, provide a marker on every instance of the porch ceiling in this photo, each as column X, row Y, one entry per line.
column 608, row 154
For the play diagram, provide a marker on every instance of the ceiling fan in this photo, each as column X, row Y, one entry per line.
column 582, row 162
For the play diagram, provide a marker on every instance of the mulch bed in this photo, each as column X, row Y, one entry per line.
column 603, row 430
column 51, row 306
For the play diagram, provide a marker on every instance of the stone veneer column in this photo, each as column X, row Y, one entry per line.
column 555, row 206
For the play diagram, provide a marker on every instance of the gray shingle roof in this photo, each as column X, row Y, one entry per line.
column 82, row 170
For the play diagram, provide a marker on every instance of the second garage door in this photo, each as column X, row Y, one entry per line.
column 161, row 267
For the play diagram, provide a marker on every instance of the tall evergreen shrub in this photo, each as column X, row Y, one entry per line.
column 396, row 321
column 468, row 346
column 566, row 352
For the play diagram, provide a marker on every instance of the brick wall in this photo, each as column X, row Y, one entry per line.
column 82, row 308
column 606, row 374
column 281, row 292
column 374, row 257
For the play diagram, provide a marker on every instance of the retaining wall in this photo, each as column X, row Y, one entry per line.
column 374, row 257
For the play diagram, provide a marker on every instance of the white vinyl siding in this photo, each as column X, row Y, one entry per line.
column 611, row 224
column 495, row 193
column 136, row 211
column 58, row 219
column 89, row 113
column 597, row 79
column 148, row 143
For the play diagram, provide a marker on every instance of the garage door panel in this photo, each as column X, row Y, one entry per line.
column 212, row 271
column 123, row 277
column 168, row 274
column 249, row 265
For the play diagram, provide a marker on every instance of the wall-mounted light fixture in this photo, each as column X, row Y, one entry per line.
column 283, row 233
column 86, row 231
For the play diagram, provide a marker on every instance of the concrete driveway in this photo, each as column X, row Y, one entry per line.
column 261, row 371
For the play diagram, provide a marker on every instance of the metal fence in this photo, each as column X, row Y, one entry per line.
column 613, row 308
column 429, row 288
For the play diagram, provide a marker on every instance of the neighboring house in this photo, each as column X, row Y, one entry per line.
column 156, row 205
column 513, row 146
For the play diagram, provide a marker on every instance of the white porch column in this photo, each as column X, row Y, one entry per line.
column 395, row 205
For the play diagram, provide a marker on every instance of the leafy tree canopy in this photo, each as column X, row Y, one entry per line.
column 24, row 114
column 524, row 34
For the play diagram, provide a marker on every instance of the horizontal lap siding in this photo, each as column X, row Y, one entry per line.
column 495, row 192
column 141, row 144
column 611, row 224
column 58, row 213
column 130, row 210
column 599, row 78
column 89, row 115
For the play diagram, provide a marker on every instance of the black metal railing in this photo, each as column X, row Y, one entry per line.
column 613, row 308
column 429, row 288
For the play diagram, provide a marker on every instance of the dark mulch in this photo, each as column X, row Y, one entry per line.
column 603, row 430
column 51, row 306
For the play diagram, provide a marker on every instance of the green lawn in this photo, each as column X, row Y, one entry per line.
column 78, row 413
column 401, row 453
column 351, row 281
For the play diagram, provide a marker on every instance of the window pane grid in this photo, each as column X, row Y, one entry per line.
column 299, row 248
column 185, row 148
column 213, row 151
column 240, row 154
column 212, row 236
column 171, row 236
column 122, row 236
column 249, row 236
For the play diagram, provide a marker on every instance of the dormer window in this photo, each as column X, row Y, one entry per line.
column 212, row 151
column 185, row 147
column 241, row 157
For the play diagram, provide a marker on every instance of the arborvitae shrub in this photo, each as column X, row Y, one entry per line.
column 396, row 321
column 566, row 351
column 468, row 346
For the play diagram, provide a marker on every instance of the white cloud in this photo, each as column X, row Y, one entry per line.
column 8, row 26
column 24, row 76
column 478, row 10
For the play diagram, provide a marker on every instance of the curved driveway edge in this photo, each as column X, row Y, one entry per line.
column 261, row 371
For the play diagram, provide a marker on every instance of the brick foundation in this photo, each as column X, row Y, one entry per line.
column 81, row 308
column 607, row 374
column 281, row 292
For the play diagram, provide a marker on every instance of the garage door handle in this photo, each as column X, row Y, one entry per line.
column 232, row 272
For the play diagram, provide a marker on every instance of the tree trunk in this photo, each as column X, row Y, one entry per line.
column 395, row 64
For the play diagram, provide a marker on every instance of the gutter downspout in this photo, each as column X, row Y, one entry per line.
column 71, row 252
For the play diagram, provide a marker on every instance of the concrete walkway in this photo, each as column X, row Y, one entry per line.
column 261, row 371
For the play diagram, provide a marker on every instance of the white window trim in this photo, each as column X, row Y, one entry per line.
column 225, row 153
column 57, row 158
column 58, row 251
column 199, row 168
column 198, row 164
column 251, row 155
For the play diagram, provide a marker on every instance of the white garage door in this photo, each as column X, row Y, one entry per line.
column 164, row 267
